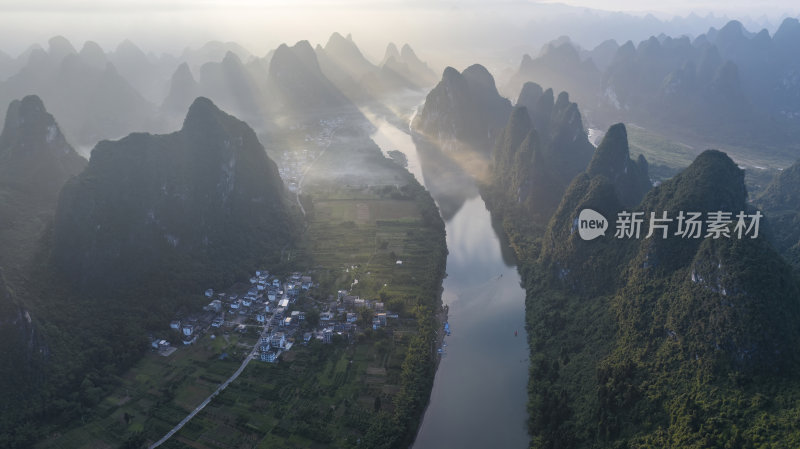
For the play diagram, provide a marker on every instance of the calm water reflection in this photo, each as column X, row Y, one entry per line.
column 479, row 394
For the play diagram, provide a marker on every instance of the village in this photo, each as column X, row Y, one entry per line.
column 293, row 163
column 270, row 304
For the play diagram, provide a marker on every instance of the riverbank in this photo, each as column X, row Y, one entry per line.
column 370, row 387
column 365, row 391
column 468, row 407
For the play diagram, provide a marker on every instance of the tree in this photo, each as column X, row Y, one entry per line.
column 312, row 318
column 365, row 317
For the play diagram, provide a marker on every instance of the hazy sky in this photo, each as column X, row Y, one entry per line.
column 729, row 7
column 261, row 25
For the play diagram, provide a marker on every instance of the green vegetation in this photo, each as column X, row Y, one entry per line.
column 35, row 161
column 780, row 203
column 147, row 400
column 667, row 157
column 371, row 388
column 657, row 343
column 149, row 224
column 370, row 391
column 612, row 160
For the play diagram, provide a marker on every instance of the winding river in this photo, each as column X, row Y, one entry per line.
column 479, row 394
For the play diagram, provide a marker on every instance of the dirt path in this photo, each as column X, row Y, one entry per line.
column 305, row 172
column 203, row 404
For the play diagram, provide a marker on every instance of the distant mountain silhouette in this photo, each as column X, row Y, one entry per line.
column 212, row 51
column 560, row 66
column 541, row 149
column 298, row 88
column 183, row 89
column 345, row 66
column 463, row 111
column 362, row 81
column 408, row 65
column 230, row 84
column 93, row 55
column 93, row 103
column 35, row 158
column 728, row 85
column 139, row 70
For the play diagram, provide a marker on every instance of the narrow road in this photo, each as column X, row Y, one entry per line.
column 254, row 352
column 222, row 386
column 305, row 172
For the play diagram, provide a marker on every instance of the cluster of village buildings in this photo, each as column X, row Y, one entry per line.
column 269, row 304
column 292, row 164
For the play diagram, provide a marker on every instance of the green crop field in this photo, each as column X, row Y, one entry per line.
column 329, row 395
column 155, row 394
column 370, row 386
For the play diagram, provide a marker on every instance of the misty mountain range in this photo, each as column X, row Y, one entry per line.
column 107, row 94
column 738, row 82
column 158, row 210
column 729, row 84
column 590, row 27
column 190, row 195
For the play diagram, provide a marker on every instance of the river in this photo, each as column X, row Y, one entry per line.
column 479, row 394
